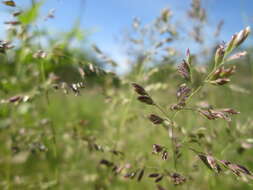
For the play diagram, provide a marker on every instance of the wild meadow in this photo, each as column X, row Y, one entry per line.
column 176, row 120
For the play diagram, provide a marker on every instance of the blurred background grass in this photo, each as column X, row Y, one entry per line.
column 54, row 135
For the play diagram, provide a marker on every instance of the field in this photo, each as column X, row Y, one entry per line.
column 68, row 121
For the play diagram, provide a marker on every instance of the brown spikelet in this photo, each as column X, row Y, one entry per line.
column 106, row 163
column 165, row 155
column 212, row 114
column 209, row 161
column 13, row 23
column 230, row 111
column 176, row 106
column 207, row 113
column 14, row 99
column 213, row 164
column 183, row 92
column 139, row 89
column 157, row 149
column 219, row 55
column 17, row 13
column 158, row 179
column 242, row 36
column 155, row 119
column 146, row 100
column 223, row 72
column 140, row 176
column 237, row 169
column 184, row 70
column 153, row 175
column 10, row 3
column 237, row 56
column 130, row 175
column 177, row 179
column 220, row 81
column 5, row 45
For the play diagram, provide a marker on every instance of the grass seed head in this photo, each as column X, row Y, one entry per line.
column 184, row 70
column 177, row 179
column 154, row 175
column 139, row 89
column 157, row 148
column 220, row 81
column 10, row 3
column 158, row 179
column 155, row 119
column 219, row 55
column 146, row 100
column 165, row 155
column 242, row 36
column 140, row 176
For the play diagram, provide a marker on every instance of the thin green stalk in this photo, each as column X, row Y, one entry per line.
column 126, row 110
column 55, row 151
column 173, row 145
column 42, row 71
column 162, row 111
column 54, row 140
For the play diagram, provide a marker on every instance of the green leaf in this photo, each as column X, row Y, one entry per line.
column 31, row 14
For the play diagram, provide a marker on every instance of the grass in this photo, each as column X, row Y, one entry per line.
column 56, row 133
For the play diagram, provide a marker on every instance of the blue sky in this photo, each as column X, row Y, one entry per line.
column 106, row 19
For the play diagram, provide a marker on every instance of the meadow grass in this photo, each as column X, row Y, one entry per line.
column 67, row 123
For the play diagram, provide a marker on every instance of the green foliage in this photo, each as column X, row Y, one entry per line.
column 31, row 15
column 66, row 123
